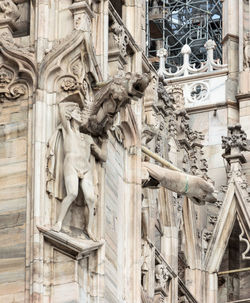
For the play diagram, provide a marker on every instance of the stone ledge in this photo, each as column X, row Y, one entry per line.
column 74, row 247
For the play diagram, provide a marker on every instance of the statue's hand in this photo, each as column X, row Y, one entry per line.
column 67, row 115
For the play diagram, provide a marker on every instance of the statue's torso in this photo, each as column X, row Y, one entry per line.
column 77, row 151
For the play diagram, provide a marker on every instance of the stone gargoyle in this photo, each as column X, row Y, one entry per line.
column 111, row 96
column 194, row 187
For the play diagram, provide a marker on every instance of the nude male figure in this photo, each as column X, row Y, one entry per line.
column 76, row 167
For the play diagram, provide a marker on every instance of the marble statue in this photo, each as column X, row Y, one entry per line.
column 76, row 168
column 246, row 50
column 194, row 187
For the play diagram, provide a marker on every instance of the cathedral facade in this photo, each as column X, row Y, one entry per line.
column 121, row 180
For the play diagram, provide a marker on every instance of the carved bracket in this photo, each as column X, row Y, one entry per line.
column 75, row 248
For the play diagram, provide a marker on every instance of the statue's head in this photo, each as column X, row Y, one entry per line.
column 75, row 111
column 76, row 114
column 137, row 84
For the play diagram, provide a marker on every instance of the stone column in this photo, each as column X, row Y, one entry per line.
column 230, row 44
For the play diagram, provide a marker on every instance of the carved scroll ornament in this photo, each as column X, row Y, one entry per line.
column 9, row 88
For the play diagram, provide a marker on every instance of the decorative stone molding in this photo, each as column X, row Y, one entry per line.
column 166, row 107
column 187, row 68
column 212, row 219
column 244, row 239
column 75, row 248
column 197, row 92
column 207, row 235
column 13, row 60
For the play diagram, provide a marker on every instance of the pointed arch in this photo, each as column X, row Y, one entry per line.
column 234, row 206
column 77, row 44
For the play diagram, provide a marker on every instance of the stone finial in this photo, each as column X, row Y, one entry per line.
column 186, row 49
column 235, row 143
column 210, row 44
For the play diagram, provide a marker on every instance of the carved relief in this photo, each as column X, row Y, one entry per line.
column 9, row 87
column 243, row 238
column 177, row 93
column 213, row 219
column 162, row 276
column 197, row 92
column 207, row 235
column 118, row 39
column 69, row 84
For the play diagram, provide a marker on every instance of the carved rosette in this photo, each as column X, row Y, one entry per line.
column 69, row 83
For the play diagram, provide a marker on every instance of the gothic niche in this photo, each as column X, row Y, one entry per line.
column 87, row 110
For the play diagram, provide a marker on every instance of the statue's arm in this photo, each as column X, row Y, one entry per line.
column 65, row 116
column 99, row 153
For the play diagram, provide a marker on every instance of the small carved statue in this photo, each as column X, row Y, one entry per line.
column 9, row 9
column 247, row 50
column 161, row 276
column 77, row 148
column 194, row 187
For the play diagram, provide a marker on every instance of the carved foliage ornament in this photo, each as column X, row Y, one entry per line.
column 9, row 88
column 237, row 139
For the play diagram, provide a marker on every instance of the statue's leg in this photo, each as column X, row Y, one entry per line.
column 89, row 196
column 71, row 184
